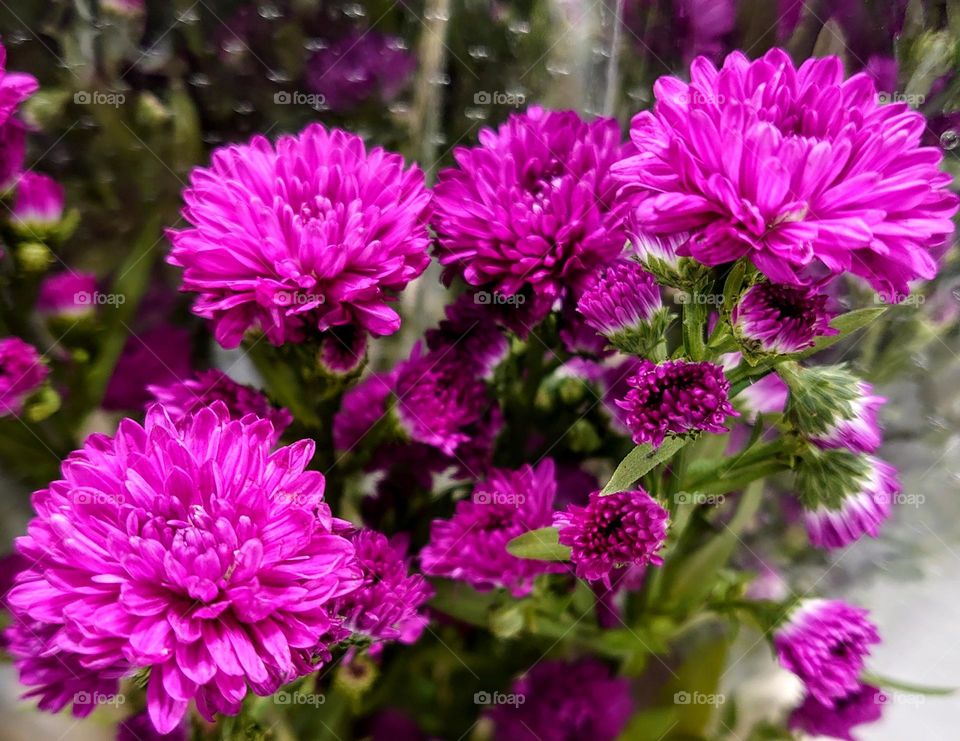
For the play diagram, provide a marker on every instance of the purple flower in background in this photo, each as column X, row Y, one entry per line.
column 139, row 728
column 780, row 165
column 837, row 718
column 563, row 702
column 389, row 604
column 860, row 512
column 15, row 87
column 182, row 399
column 675, row 397
column 302, row 237
column 363, row 406
column 626, row 527
column 824, row 643
column 624, row 298
column 859, row 430
column 884, row 71
column 696, row 26
column 126, row 8
column 766, row 396
column 191, row 549
column 69, row 294
column 22, row 371
column 471, row 332
column 359, row 67
column 781, row 319
column 472, row 545
column 157, row 356
column 531, row 210
column 38, row 201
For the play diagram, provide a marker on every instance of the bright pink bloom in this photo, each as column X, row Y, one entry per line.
column 302, row 237
column 38, row 201
column 22, row 370
column 69, row 294
column 795, row 169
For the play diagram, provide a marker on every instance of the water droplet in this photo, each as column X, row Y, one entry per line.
column 276, row 75
column 519, row 27
column 188, row 17
column 437, row 140
column 315, row 44
column 436, row 15
column 244, row 108
column 937, row 423
column 476, row 113
column 440, row 78
column 956, row 294
column 399, row 109
column 478, row 52
column 558, row 70
column 949, row 139
column 233, row 45
column 18, row 37
column 199, row 80
column 354, row 10
column 269, row 12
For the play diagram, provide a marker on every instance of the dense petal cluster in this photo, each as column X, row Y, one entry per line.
column 22, row 370
column 565, row 702
column 182, row 399
column 837, row 719
column 824, row 643
column 38, row 201
column 389, row 602
column 472, row 545
column 795, row 169
column 191, row 549
column 308, row 235
column 675, row 397
column 531, row 210
column 69, row 294
column 857, row 430
column 15, row 87
column 778, row 318
column 624, row 297
column 359, row 67
column 862, row 511
column 626, row 527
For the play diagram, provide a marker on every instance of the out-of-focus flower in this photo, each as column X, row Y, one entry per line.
column 139, row 728
column 624, row 305
column 845, row 496
column 13, row 149
column 363, row 406
column 38, row 203
column 838, row 718
column 578, row 700
column 389, row 603
column 769, row 584
column 470, row 331
column 858, row 429
column 358, row 67
column 626, row 527
column 191, row 549
column 824, row 642
column 157, row 356
column 302, row 237
column 68, row 295
column 675, row 397
column 781, row 319
column 530, row 212
column 15, row 87
column 124, row 8
column 22, row 371
column 766, row 396
column 781, row 165
column 472, row 545
column 182, row 399
column 697, row 27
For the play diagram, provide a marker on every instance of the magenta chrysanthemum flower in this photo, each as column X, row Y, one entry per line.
column 69, row 294
column 627, row 527
column 15, row 87
column 189, row 549
column 837, row 718
column 798, row 170
column 359, row 67
column 859, row 431
column 531, row 210
column 472, row 545
column 139, row 728
column 38, row 202
column 22, row 370
column 389, row 603
column 624, row 298
column 183, row 399
column 776, row 318
column 561, row 701
column 675, row 397
column 824, row 643
column 861, row 511
column 311, row 234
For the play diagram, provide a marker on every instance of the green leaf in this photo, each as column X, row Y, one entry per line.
column 914, row 689
column 845, row 324
column 540, row 545
column 640, row 461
